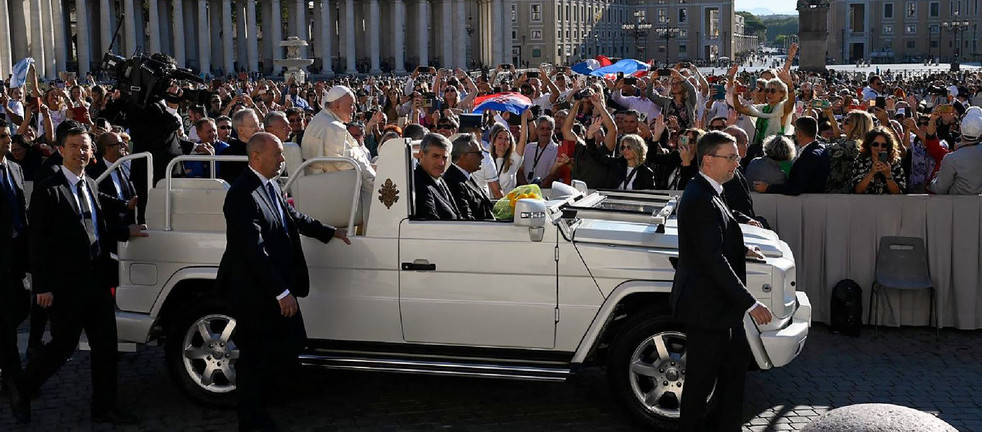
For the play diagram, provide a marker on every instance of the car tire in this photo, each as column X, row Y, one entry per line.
column 646, row 369
column 201, row 353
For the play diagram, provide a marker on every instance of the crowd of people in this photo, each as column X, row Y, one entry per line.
column 796, row 132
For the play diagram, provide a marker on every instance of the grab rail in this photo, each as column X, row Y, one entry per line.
column 354, row 199
column 127, row 158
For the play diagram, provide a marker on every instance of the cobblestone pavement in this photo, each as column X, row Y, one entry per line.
column 901, row 366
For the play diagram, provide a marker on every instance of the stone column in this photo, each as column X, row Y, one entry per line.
column 240, row 34
column 50, row 65
column 204, row 38
column 423, row 10
column 215, row 33
column 129, row 28
column 106, row 24
column 460, row 34
column 327, row 32
column 37, row 38
column 497, row 31
column 228, row 58
column 300, row 24
column 399, row 51
column 58, row 23
column 349, row 37
column 446, row 25
column 252, row 41
column 154, row 22
column 178, row 15
column 82, row 23
column 276, row 31
column 373, row 30
column 163, row 24
column 5, row 51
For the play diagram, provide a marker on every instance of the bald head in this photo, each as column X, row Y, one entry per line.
column 265, row 152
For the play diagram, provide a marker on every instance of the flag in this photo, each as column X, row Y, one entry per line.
column 585, row 67
column 627, row 66
column 19, row 76
column 604, row 61
column 514, row 103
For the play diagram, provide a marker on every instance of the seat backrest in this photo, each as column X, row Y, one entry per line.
column 196, row 204
column 327, row 197
column 901, row 263
column 293, row 156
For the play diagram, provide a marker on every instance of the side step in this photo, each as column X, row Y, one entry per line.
column 442, row 368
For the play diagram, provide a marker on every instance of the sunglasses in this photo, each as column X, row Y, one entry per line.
column 625, row 147
column 879, row 144
column 771, row 90
column 225, row 127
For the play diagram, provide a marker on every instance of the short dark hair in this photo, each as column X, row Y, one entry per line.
column 461, row 144
column 711, row 141
column 415, row 131
column 293, row 111
column 3, row 123
column 434, row 140
column 808, row 126
column 63, row 129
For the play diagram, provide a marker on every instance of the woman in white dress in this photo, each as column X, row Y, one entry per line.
column 508, row 156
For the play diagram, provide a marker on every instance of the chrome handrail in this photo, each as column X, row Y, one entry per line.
column 127, row 158
column 354, row 200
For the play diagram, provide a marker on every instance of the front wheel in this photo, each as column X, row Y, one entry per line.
column 201, row 353
column 646, row 369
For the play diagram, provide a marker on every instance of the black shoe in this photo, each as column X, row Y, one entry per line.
column 114, row 416
column 20, row 404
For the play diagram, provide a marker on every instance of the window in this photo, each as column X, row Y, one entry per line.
column 887, row 29
column 536, row 52
column 911, row 9
column 567, row 13
column 935, row 10
column 934, row 44
column 682, row 50
column 514, row 35
column 535, row 13
column 911, row 29
column 559, row 34
column 682, row 16
column 559, row 52
column 662, row 16
column 536, row 34
column 934, row 29
column 911, row 44
column 514, row 13
column 888, row 10
column 567, row 34
column 576, row 14
column 714, row 23
column 682, row 34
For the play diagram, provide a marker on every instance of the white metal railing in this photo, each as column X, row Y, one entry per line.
column 355, row 195
column 119, row 162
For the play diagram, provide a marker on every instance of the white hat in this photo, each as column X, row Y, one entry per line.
column 337, row 92
column 972, row 125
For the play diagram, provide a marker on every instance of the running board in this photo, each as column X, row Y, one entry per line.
column 436, row 368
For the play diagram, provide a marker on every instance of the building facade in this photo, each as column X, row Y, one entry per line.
column 217, row 37
column 893, row 31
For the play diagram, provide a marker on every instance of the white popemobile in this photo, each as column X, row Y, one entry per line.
column 582, row 279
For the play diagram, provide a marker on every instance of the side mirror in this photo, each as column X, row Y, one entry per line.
column 531, row 213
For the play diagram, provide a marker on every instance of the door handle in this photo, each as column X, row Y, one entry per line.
column 419, row 265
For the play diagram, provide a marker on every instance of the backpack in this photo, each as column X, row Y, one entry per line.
column 847, row 308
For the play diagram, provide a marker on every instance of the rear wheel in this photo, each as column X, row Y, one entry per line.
column 646, row 369
column 201, row 353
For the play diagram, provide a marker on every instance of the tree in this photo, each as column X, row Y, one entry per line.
column 752, row 25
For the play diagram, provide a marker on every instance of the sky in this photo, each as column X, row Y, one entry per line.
column 776, row 6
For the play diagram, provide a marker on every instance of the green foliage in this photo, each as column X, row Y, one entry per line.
column 752, row 25
column 780, row 26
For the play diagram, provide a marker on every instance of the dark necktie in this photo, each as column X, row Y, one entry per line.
column 17, row 216
column 271, row 191
column 87, row 220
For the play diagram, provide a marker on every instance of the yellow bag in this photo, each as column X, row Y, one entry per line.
column 504, row 209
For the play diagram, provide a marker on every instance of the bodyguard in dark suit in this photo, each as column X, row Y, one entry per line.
column 709, row 294
column 473, row 202
column 261, row 274
column 69, row 240
column 433, row 198
column 116, row 187
column 14, row 299
column 810, row 171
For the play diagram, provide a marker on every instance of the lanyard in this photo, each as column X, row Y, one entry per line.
column 535, row 161
column 630, row 178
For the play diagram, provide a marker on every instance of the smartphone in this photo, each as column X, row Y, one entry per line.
column 663, row 72
column 719, row 92
column 567, row 148
column 883, row 157
column 422, row 69
column 561, row 69
column 902, row 112
column 532, row 74
column 821, row 104
column 631, row 80
column 582, row 94
column 471, row 120
column 60, row 84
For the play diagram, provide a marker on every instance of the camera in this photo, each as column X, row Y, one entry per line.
column 145, row 78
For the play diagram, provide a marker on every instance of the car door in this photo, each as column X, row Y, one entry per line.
column 477, row 283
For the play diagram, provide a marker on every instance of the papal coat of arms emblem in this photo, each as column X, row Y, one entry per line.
column 388, row 194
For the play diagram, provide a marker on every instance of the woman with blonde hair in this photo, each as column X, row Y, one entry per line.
column 634, row 173
column 843, row 153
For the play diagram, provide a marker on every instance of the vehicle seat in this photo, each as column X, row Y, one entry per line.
column 327, row 197
column 293, row 156
column 196, row 204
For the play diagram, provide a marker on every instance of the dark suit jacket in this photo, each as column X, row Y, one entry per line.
column 430, row 202
column 737, row 194
column 230, row 171
column 13, row 259
column 808, row 174
column 473, row 203
column 123, row 215
column 262, row 257
column 57, row 232
column 644, row 177
column 710, row 279
column 51, row 165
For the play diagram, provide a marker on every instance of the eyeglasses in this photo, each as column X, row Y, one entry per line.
column 225, row 127
column 771, row 90
column 879, row 144
column 626, row 147
column 730, row 158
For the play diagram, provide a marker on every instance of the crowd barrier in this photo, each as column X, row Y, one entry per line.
column 836, row 237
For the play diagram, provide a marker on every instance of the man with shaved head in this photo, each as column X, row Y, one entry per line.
column 262, row 273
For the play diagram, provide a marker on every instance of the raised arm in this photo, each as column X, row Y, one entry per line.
column 567, row 130
column 610, row 140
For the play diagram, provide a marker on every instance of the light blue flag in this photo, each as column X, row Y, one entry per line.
column 19, row 76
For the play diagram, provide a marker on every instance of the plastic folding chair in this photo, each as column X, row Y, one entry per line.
column 901, row 264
